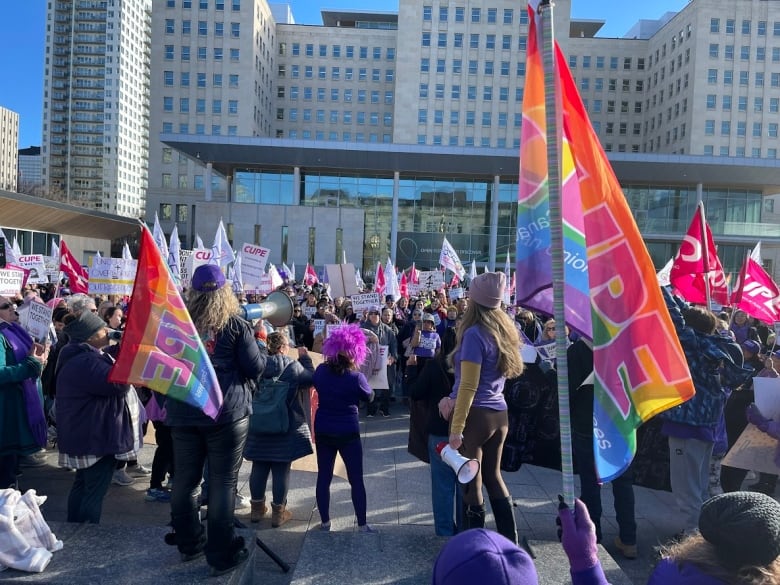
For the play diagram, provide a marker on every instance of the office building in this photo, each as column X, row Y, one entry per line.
column 30, row 171
column 96, row 104
column 379, row 133
column 9, row 144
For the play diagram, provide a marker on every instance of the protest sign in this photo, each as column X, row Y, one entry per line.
column 319, row 326
column 253, row 261
column 184, row 263
column 378, row 379
column 52, row 264
column 37, row 320
column 341, row 278
column 362, row 302
column 767, row 394
column 11, row 281
column 112, row 276
column 753, row 450
column 198, row 257
column 35, row 264
column 457, row 293
column 309, row 311
column 431, row 279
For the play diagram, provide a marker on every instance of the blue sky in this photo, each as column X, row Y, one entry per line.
column 22, row 34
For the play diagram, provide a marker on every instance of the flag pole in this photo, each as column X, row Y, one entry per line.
column 556, row 241
column 705, row 255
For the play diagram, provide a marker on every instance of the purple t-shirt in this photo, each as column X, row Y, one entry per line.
column 479, row 347
column 339, row 396
column 430, row 342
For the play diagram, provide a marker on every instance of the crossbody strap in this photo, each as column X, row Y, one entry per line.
column 276, row 378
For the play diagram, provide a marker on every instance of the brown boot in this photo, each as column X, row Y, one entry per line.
column 259, row 509
column 279, row 514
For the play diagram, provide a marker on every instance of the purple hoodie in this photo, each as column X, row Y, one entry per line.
column 667, row 572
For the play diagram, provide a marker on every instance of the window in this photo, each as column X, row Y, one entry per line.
column 474, row 41
column 506, row 42
column 744, row 77
column 443, row 13
column 169, row 26
column 728, row 52
column 219, row 31
column 492, row 14
column 427, row 13
column 756, row 128
column 490, row 42
column 729, row 26
column 728, row 77
column 741, row 128
column 487, row 93
column 235, row 54
column 508, row 15
column 488, row 67
column 455, row 92
column 714, row 50
column 184, row 105
column 475, row 14
column 709, row 127
column 711, row 101
column 425, row 65
column 725, row 128
column 486, row 119
column 472, row 67
column 423, row 90
column 460, row 14
column 218, row 53
column 363, row 52
column 168, row 52
column 745, row 27
column 216, row 106
column 442, row 40
column 426, row 39
column 167, row 104
column 758, row 104
column 772, row 129
column 712, row 76
column 200, row 106
column 714, row 25
column 235, row 30
column 168, row 78
column 232, row 106
column 235, row 5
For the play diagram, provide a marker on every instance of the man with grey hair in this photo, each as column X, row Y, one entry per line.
column 80, row 303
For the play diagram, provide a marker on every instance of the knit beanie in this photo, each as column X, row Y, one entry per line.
column 482, row 556
column 744, row 528
column 84, row 326
column 487, row 289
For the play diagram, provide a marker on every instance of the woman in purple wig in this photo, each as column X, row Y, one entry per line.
column 340, row 388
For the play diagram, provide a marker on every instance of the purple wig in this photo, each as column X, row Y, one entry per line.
column 347, row 340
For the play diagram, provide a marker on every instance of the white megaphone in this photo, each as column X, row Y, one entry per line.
column 465, row 469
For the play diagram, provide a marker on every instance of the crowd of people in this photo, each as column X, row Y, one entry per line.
column 445, row 360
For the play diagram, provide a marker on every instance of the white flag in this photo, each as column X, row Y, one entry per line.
column 359, row 280
column 276, row 279
column 755, row 255
column 343, row 256
column 663, row 274
column 449, row 259
column 287, row 272
column 507, row 268
column 126, row 255
column 199, row 245
column 238, row 278
column 10, row 255
column 97, row 255
column 159, row 237
column 292, row 272
column 473, row 270
column 174, row 255
column 223, row 251
column 391, row 281
column 16, row 248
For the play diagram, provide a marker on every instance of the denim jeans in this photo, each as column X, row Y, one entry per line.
column 222, row 446
column 590, row 491
column 280, row 482
column 445, row 492
column 85, row 501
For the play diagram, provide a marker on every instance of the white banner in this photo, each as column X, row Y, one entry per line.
column 112, row 276
column 38, row 320
column 35, row 264
column 362, row 302
column 253, row 261
column 11, row 282
column 431, row 280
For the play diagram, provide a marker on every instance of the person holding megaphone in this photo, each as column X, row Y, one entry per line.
column 487, row 352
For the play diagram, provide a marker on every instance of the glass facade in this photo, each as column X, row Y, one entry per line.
column 32, row 242
column 430, row 208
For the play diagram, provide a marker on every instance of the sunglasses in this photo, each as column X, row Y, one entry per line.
column 549, row 328
column 373, row 313
column 6, row 306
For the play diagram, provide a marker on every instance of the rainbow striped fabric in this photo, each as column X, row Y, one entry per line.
column 160, row 348
column 611, row 291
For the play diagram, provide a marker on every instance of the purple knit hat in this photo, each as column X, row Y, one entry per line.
column 487, row 289
column 347, row 340
column 482, row 556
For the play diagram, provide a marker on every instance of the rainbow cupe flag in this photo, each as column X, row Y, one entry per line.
column 160, row 348
column 611, row 290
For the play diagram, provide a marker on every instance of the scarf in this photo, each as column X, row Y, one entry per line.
column 21, row 344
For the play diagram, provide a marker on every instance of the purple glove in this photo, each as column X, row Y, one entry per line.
column 755, row 417
column 578, row 536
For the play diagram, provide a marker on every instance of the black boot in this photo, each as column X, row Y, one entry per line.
column 767, row 483
column 473, row 516
column 504, row 514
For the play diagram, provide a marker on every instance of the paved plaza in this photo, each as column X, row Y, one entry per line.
column 398, row 488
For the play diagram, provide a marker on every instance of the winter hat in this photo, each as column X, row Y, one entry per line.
column 428, row 317
column 487, row 289
column 751, row 346
column 208, row 278
column 84, row 326
column 482, row 556
column 744, row 528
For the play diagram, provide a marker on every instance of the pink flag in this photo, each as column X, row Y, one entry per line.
column 380, row 284
column 404, row 286
column 756, row 293
column 455, row 281
column 77, row 276
column 694, row 261
column 310, row 277
column 414, row 275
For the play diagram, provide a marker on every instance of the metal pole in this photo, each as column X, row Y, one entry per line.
column 552, row 108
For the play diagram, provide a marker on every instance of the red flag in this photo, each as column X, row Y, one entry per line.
column 380, row 284
column 310, row 277
column 77, row 276
column 756, row 293
column 414, row 275
column 692, row 263
column 455, row 281
column 404, row 286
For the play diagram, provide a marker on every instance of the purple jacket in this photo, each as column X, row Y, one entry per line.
column 91, row 414
column 667, row 572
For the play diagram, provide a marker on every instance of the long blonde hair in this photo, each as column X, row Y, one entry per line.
column 210, row 311
column 700, row 553
column 500, row 326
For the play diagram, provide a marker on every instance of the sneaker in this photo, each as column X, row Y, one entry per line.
column 238, row 559
column 121, row 478
column 367, row 529
column 169, row 483
column 242, row 502
column 385, row 414
column 628, row 551
column 139, row 471
column 157, row 495
column 325, row 526
column 369, row 415
column 34, row 460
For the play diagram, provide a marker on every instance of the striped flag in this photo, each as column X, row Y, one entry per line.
column 610, row 292
column 161, row 349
